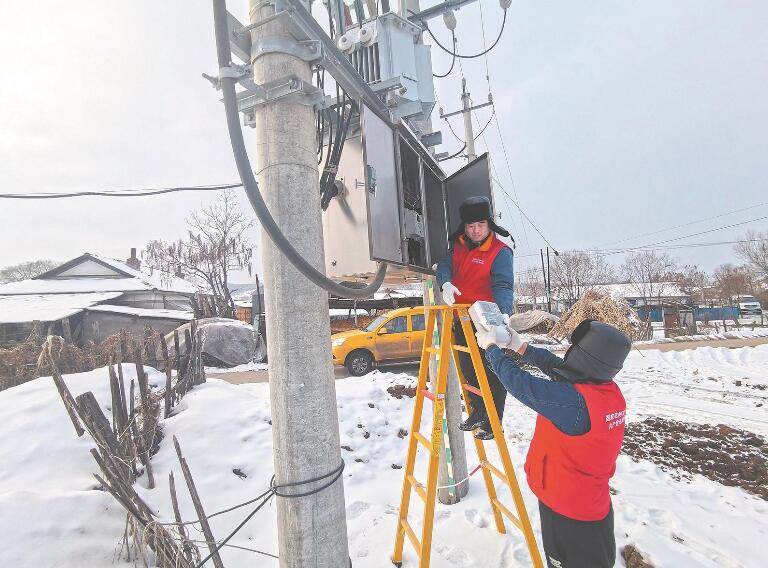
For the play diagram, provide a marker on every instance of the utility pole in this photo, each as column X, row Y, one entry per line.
column 469, row 134
column 466, row 112
column 544, row 275
column 312, row 530
column 549, row 285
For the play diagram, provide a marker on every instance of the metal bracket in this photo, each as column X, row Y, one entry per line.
column 308, row 50
column 289, row 87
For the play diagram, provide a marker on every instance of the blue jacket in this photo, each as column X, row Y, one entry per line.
column 556, row 400
column 502, row 277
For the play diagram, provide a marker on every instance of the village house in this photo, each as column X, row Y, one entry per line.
column 91, row 297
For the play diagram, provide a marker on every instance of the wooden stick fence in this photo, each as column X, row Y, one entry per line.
column 133, row 435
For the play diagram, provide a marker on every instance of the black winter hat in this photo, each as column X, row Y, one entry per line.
column 596, row 354
column 474, row 209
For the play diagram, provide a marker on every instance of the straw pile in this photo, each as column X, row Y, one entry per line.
column 596, row 306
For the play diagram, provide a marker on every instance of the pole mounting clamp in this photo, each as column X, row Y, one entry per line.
column 306, row 50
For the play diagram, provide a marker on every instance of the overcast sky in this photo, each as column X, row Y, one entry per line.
column 619, row 118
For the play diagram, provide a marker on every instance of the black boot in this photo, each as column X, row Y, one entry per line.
column 475, row 419
column 484, row 432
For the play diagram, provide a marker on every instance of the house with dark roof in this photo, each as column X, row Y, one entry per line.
column 91, row 297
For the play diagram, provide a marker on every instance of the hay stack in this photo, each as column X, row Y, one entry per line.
column 597, row 306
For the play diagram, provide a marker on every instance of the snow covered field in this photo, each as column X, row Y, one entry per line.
column 52, row 515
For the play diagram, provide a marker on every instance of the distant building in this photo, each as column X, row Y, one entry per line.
column 91, row 297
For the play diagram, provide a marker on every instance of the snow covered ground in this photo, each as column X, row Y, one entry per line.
column 52, row 515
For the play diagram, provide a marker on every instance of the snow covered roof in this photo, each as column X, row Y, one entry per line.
column 93, row 273
column 31, row 307
column 143, row 312
column 656, row 289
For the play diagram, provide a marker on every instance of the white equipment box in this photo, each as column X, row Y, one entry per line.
column 486, row 315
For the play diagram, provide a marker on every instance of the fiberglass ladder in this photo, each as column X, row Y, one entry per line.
column 428, row 493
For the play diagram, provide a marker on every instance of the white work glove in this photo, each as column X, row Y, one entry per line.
column 516, row 341
column 449, row 293
column 497, row 335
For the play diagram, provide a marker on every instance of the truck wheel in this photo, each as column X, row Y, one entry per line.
column 359, row 362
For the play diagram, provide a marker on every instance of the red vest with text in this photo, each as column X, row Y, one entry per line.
column 472, row 269
column 570, row 474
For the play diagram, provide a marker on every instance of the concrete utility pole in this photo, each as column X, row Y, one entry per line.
column 312, row 530
column 469, row 134
column 466, row 112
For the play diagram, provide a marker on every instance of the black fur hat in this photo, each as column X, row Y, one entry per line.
column 596, row 354
column 474, row 209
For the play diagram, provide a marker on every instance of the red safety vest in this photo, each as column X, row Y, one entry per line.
column 472, row 269
column 570, row 474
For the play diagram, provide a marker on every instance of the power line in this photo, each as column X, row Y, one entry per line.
column 525, row 215
column 118, row 193
column 609, row 252
column 459, row 55
column 688, row 224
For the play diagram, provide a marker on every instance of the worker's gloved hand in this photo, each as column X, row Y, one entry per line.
column 449, row 293
column 497, row 335
column 516, row 341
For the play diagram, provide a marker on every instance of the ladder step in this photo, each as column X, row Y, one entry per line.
column 497, row 472
column 428, row 394
column 461, row 348
column 424, row 442
column 507, row 513
column 411, row 536
column 417, row 487
column 472, row 389
column 434, row 350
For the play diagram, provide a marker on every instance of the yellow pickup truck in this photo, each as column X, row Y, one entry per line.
column 393, row 337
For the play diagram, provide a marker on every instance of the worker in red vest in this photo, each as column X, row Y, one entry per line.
column 478, row 266
column 578, row 435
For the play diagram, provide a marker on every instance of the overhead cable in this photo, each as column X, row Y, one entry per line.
column 460, row 55
column 118, row 193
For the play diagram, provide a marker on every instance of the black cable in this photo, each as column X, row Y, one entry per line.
column 452, row 156
column 460, row 56
column 453, row 61
column 118, row 193
column 221, row 544
column 336, row 473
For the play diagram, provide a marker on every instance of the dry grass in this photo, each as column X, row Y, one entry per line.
column 597, row 306
column 20, row 363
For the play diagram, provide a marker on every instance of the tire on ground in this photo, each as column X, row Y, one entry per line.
column 359, row 362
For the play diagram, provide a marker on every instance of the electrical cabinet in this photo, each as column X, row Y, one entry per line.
column 394, row 204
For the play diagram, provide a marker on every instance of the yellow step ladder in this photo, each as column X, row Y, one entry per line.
column 428, row 493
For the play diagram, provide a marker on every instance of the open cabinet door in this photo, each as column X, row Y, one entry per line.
column 381, row 189
column 472, row 179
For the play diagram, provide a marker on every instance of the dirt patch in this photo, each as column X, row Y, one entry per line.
column 730, row 456
column 399, row 391
column 633, row 558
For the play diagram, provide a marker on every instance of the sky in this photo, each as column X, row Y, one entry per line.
column 618, row 119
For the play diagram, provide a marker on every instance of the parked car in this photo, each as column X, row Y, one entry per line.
column 393, row 337
column 749, row 306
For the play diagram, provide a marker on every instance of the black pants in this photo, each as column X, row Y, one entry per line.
column 468, row 369
column 577, row 544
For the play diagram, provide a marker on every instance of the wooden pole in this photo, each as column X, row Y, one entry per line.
column 198, row 507
column 69, row 402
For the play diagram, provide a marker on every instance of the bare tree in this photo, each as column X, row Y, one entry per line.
column 692, row 281
column 733, row 281
column 25, row 270
column 573, row 273
column 754, row 251
column 651, row 274
column 215, row 245
column 530, row 283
